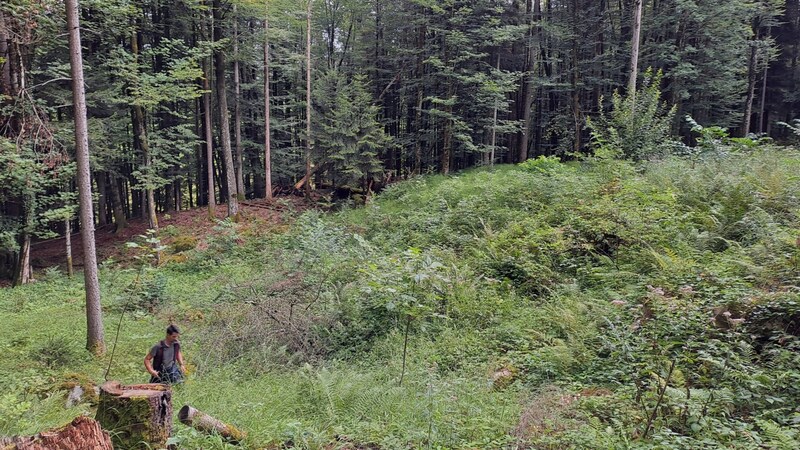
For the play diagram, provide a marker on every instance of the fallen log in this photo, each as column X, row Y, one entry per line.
column 138, row 416
column 80, row 434
column 207, row 424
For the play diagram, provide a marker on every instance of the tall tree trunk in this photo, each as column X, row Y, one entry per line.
column 5, row 58
column 576, row 97
column 224, row 122
column 68, row 242
column 102, row 198
column 309, row 144
column 140, row 129
column 494, row 126
column 117, row 207
column 420, row 45
column 95, row 341
column 212, row 196
column 751, row 86
column 237, row 109
column 637, row 31
column 267, row 131
column 23, row 273
column 527, row 82
column 762, row 108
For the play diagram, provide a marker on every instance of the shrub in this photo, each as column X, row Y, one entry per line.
column 55, row 352
column 638, row 125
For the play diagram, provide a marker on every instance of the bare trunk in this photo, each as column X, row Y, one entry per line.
column 5, row 60
column 23, row 272
column 309, row 144
column 751, row 88
column 140, row 127
column 212, row 196
column 494, row 127
column 267, row 131
column 637, row 30
column 762, row 108
column 68, row 239
column 237, row 109
column 224, row 122
column 527, row 87
column 117, row 206
column 95, row 342
column 102, row 201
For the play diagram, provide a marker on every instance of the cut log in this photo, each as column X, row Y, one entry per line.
column 83, row 433
column 207, row 424
column 138, row 416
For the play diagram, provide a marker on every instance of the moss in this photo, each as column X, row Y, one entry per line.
column 89, row 387
column 133, row 421
column 183, row 243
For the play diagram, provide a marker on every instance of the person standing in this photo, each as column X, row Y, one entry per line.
column 164, row 362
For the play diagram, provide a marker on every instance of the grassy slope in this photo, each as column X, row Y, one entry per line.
column 584, row 279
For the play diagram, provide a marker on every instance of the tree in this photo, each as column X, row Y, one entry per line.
column 635, row 41
column 267, row 129
column 309, row 141
column 95, row 342
column 346, row 126
column 224, row 122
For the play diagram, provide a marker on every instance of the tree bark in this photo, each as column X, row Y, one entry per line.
column 224, row 122
column 138, row 416
column 102, row 198
column 117, row 207
column 140, row 129
column 95, row 342
column 212, row 196
column 23, row 273
column 635, row 40
column 207, row 424
column 309, row 145
column 68, row 242
column 267, row 129
column 5, row 66
column 237, row 109
column 751, row 87
column 82, row 433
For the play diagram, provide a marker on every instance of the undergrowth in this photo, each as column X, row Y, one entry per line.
column 595, row 304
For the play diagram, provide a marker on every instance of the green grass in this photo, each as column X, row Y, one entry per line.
column 584, row 282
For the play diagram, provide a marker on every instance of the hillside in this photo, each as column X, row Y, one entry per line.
column 593, row 304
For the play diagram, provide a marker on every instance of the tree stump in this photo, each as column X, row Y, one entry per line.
column 83, row 433
column 137, row 416
column 207, row 424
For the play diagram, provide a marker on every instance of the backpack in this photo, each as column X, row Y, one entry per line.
column 158, row 362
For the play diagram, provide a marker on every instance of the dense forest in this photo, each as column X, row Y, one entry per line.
column 358, row 94
column 406, row 224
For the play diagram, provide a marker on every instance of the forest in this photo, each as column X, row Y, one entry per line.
column 406, row 224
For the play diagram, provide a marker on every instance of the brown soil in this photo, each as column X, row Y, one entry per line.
column 194, row 222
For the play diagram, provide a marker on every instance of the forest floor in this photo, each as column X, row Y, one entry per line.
column 110, row 243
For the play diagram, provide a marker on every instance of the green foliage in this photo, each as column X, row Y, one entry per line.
column 638, row 126
column 660, row 298
column 348, row 137
column 55, row 352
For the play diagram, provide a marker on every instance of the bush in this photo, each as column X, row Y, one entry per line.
column 638, row 126
column 56, row 352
